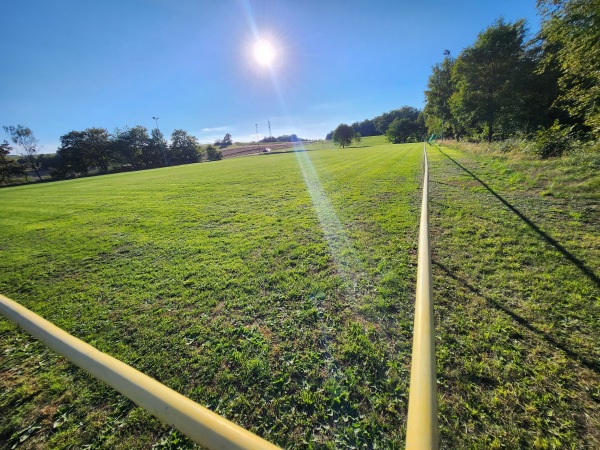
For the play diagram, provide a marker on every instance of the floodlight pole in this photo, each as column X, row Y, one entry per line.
column 162, row 150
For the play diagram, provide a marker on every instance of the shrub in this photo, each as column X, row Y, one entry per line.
column 212, row 154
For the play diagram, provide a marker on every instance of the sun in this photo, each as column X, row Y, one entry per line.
column 264, row 53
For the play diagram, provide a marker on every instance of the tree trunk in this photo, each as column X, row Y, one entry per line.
column 32, row 161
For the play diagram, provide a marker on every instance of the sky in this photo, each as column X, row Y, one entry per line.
column 75, row 64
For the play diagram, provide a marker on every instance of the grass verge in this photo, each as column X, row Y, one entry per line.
column 518, row 303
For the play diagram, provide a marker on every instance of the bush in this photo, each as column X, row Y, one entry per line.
column 553, row 141
column 212, row 154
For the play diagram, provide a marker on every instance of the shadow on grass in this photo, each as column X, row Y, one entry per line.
column 577, row 262
column 592, row 365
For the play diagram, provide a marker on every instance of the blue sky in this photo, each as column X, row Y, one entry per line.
column 70, row 65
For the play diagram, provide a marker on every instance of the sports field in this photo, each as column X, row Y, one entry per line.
column 277, row 290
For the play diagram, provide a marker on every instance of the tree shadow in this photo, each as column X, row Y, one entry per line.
column 592, row 365
column 550, row 240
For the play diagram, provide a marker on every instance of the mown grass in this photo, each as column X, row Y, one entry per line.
column 518, row 301
column 288, row 309
column 224, row 282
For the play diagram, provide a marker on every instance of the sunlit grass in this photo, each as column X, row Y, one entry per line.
column 518, row 303
column 218, row 280
column 291, row 313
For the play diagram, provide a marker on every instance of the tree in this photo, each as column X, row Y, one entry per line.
column 158, row 147
column 226, row 141
column 571, row 39
column 212, row 154
column 383, row 121
column 71, row 154
column 24, row 138
column 9, row 168
column 439, row 90
column 400, row 130
column 184, row 148
column 97, row 149
column 83, row 151
column 343, row 135
column 48, row 162
column 488, row 78
column 131, row 145
column 357, row 137
column 365, row 128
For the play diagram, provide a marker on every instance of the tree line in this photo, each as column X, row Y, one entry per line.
column 544, row 87
column 96, row 151
column 406, row 124
column 283, row 138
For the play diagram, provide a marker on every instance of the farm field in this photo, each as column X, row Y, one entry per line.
column 278, row 291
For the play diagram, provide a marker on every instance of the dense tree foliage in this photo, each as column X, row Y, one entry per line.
column 96, row 151
column 184, row 148
column 383, row 121
column 365, row 128
column 283, row 138
column 82, row 151
column 380, row 124
column 439, row 91
column 159, row 147
column 506, row 84
column 488, row 77
column 9, row 168
column 571, row 41
column 403, row 130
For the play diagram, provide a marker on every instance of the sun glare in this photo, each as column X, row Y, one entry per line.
column 264, row 53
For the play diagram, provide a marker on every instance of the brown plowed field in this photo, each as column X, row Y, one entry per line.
column 253, row 149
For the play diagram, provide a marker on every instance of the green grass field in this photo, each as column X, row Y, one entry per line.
column 278, row 291
column 223, row 281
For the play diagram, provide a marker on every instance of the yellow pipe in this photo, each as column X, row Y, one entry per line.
column 198, row 423
column 422, row 431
